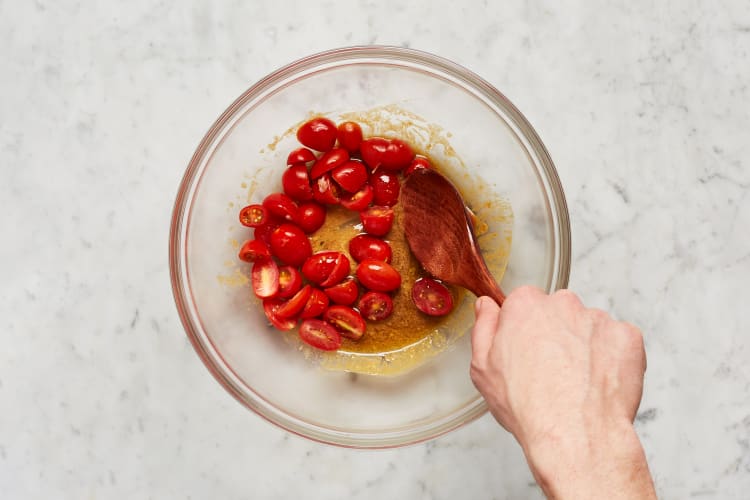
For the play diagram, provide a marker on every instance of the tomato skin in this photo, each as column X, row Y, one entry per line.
column 296, row 183
column 431, row 297
column 360, row 200
column 300, row 156
column 263, row 232
column 270, row 306
column 325, row 191
column 281, row 206
column 375, row 306
column 316, row 304
column 350, row 136
column 319, row 334
column 344, row 293
column 290, row 244
column 378, row 275
column 265, row 278
column 351, row 176
column 290, row 281
column 310, row 217
column 386, row 187
column 346, row 320
column 364, row 246
column 372, row 151
column 397, row 155
column 326, row 268
column 253, row 250
column 332, row 159
column 417, row 163
column 318, row 134
column 292, row 307
column 377, row 220
column 253, row 215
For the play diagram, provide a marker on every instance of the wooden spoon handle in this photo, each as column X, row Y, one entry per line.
column 489, row 287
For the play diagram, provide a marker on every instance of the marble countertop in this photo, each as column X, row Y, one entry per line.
column 644, row 107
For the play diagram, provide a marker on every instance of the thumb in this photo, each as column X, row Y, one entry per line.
column 487, row 320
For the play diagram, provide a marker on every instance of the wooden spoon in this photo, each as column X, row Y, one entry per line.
column 441, row 234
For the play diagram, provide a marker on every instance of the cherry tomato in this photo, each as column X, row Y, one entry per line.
column 350, row 136
column 294, row 306
column 326, row 268
column 253, row 250
column 318, row 134
column 346, row 320
column 320, row 334
column 290, row 281
column 300, row 156
column 316, row 304
column 270, row 306
column 325, row 191
column 265, row 278
column 310, row 217
column 431, row 297
column 253, row 215
column 351, row 176
column 377, row 220
column 296, row 183
column 263, row 232
column 332, row 159
column 385, row 187
column 417, row 163
column 398, row 154
column 372, row 151
column 280, row 205
column 359, row 200
column 345, row 293
column 290, row 245
column 378, row 275
column 364, row 246
column 375, row 306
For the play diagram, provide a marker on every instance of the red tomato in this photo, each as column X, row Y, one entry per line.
column 351, row 176
column 398, row 154
column 431, row 297
column 318, row 134
column 263, row 232
column 290, row 245
column 253, row 250
column 417, row 163
column 332, row 159
column 296, row 183
column 310, row 217
column 378, row 275
column 345, row 293
column 290, row 281
column 281, row 206
column 325, row 191
column 372, row 151
column 294, row 306
column 316, row 304
column 364, row 246
column 326, row 268
column 300, row 156
column 347, row 321
column 359, row 200
column 377, row 220
column 270, row 306
column 350, row 136
column 265, row 278
column 375, row 306
column 320, row 334
column 385, row 187
column 253, row 215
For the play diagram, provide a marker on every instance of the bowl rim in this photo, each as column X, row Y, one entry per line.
column 468, row 80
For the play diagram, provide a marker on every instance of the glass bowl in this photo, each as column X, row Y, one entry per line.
column 479, row 132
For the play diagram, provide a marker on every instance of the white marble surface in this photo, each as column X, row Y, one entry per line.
column 645, row 108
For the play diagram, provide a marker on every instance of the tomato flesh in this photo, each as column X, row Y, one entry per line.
column 294, row 306
column 265, row 278
column 378, row 275
column 364, row 246
column 325, row 191
column 346, row 320
column 431, row 297
column 290, row 281
column 344, row 293
column 320, row 334
column 253, row 215
column 290, row 244
column 377, row 220
column 359, row 200
column 270, row 306
column 326, row 268
column 316, row 304
column 253, row 250
column 375, row 306
column 318, row 134
column 386, row 187
column 296, row 183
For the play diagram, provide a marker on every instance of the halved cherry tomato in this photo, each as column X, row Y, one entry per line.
column 253, row 215
column 281, row 206
column 263, row 232
column 372, row 151
column 397, row 155
column 294, row 306
column 300, row 156
column 351, row 176
column 417, row 163
column 346, row 320
column 253, row 250
column 318, row 134
column 326, row 268
column 431, row 297
column 329, row 161
column 296, row 183
column 316, row 304
column 359, row 200
column 350, row 136
column 375, row 306
column 310, row 217
column 385, row 187
column 364, row 246
column 290, row 281
column 270, row 306
column 265, row 278
column 345, row 293
column 378, row 275
column 326, row 191
column 290, row 245
column 377, row 220
column 320, row 334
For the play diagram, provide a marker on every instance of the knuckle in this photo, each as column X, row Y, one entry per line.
column 567, row 297
column 523, row 293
